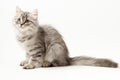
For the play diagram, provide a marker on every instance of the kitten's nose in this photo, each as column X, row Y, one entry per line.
column 21, row 21
column 20, row 25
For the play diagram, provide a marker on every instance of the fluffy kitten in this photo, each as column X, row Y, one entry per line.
column 45, row 47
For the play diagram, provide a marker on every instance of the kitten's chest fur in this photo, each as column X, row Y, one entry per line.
column 25, row 40
column 44, row 37
column 32, row 39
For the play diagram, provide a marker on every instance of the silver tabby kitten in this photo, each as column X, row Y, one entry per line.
column 45, row 47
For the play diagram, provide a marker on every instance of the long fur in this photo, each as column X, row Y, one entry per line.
column 88, row 61
column 44, row 45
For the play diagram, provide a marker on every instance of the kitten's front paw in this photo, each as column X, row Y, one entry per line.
column 28, row 66
column 46, row 64
column 23, row 63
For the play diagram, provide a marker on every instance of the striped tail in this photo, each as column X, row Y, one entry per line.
column 88, row 61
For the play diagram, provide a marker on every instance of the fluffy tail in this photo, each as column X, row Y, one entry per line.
column 88, row 61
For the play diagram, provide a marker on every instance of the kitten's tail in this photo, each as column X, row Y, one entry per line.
column 88, row 61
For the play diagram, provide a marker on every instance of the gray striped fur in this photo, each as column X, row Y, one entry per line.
column 44, row 45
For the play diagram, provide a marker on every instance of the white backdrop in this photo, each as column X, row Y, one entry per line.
column 89, row 27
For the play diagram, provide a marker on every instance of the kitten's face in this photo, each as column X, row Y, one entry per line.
column 24, row 19
column 21, row 18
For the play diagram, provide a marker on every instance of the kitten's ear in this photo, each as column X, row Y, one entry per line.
column 18, row 10
column 35, row 13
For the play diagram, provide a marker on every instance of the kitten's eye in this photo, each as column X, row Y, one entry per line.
column 27, row 20
column 39, row 55
column 18, row 19
column 36, row 55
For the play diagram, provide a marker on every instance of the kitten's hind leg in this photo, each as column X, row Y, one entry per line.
column 46, row 64
column 56, row 55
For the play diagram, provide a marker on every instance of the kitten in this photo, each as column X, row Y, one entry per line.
column 44, row 45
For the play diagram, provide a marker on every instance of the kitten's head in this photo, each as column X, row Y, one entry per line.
column 24, row 19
